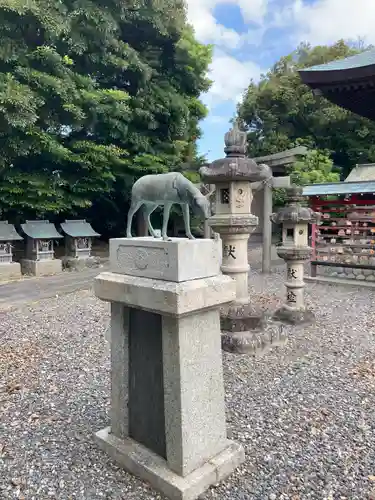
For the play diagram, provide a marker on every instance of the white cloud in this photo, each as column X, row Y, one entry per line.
column 208, row 30
column 231, row 77
column 326, row 21
column 314, row 21
column 320, row 22
column 252, row 10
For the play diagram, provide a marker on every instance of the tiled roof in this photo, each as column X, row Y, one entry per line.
column 40, row 229
column 339, row 188
column 365, row 172
column 366, row 58
column 78, row 229
column 8, row 232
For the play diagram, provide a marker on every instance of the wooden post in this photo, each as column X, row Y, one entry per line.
column 267, row 228
column 313, row 267
column 274, row 182
column 207, row 230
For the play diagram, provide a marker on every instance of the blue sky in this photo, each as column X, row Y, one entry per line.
column 250, row 35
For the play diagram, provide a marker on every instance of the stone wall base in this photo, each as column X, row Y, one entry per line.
column 41, row 267
column 347, row 273
column 146, row 465
column 329, row 280
column 10, row 271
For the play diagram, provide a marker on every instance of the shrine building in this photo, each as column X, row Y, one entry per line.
column 349, row 82
column 345, row 241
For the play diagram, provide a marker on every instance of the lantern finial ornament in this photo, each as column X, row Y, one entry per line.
column 235, row 141
column 294, row 194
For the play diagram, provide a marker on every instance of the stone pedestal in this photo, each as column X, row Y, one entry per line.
column 167, row 397
column 10, row 271
column 180, row 260
column 41, row 267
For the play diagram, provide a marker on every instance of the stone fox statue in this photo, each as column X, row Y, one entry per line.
column 165, row 190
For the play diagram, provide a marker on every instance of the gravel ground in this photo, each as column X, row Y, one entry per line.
column 304, row 412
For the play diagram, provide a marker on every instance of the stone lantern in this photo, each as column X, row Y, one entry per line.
column 234, row 222
column 295, row 250
column 40, row 256
column 8, row 268
column 78, row 244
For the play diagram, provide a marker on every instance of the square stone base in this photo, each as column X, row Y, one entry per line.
column 153, row 469
column 41, row 267
column 10, row 271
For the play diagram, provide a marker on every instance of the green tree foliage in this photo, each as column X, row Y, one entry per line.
column 92, row 95
column 48, row 114
column 315, row 168
column 280, row 112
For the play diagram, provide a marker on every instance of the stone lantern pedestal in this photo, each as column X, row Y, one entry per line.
column 167, row 393
column 294, row 249
column 234, row 222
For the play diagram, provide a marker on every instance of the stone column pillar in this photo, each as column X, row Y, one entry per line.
column 293, row 310
column 167, row 406
column 235, row 263
column 295, row 284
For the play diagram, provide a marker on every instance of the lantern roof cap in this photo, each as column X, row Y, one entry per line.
column 236, row 166
column 294, row 211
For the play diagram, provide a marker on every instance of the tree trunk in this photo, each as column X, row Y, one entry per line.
column 142, row 229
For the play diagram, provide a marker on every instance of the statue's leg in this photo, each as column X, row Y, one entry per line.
column 186, row 215
column 135, row 205
column 166, row 212
column 148, row 211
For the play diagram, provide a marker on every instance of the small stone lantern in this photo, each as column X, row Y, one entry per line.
column 8, row 268
column 295, row 250
column 234, row 222
column 78, row 244
column 79, row 235
column 40, row 256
